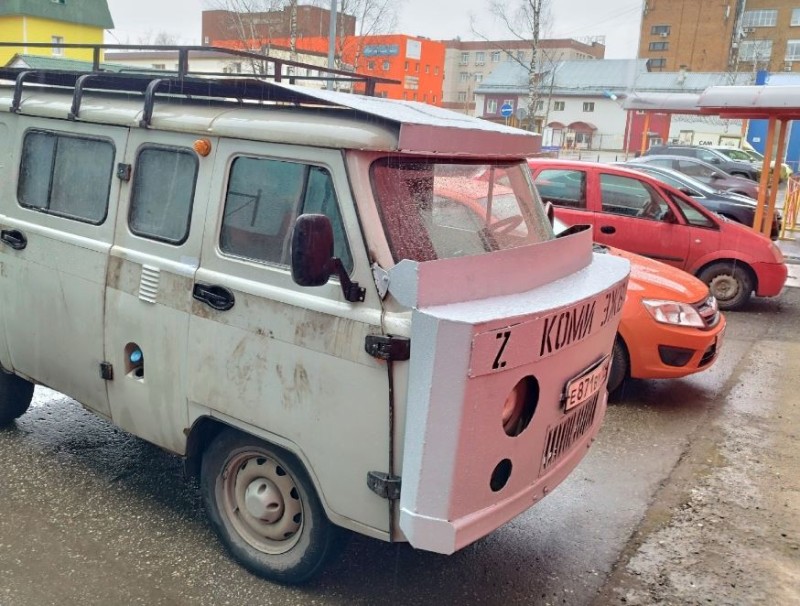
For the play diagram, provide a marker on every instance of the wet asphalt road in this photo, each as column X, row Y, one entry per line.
column 91, row 515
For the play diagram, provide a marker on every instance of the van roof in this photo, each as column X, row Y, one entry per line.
column 255, row 109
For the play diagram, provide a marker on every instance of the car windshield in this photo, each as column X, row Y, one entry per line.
column 438, row 209
column 736, row 154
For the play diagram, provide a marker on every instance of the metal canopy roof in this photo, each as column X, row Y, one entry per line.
column 782, row 102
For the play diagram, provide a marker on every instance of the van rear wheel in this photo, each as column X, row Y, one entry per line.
column 15, row 397
column 264, row 508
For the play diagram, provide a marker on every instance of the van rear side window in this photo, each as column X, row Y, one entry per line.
column 163, row 191
column 66, row 176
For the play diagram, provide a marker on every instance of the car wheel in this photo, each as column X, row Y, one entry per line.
column 15, row 397
column 730, row 283
column 265, row 509
column 619, row 366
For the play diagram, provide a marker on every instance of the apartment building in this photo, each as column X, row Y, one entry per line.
column 53, row 22
column 721, row 35
column 467, row 63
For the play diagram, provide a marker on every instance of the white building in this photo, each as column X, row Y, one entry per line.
column 581, row 105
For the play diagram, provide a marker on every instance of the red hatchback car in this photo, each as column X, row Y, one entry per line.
column 635, row 212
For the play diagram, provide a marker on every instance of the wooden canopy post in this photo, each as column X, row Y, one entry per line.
column 764, row 183
column 775, row 171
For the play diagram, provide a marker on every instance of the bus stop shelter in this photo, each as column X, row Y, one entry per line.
column 779, row 105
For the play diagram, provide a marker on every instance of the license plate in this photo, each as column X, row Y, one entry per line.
column 586, row 385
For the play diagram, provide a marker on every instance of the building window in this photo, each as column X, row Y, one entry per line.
column 66, row 176
column 760, row 18
column 558, row 106
column 435, row 70
column 491, row 106
column 370, row 65
column 416, row 68
column 57, row 52
column 539, row 105
column 659, row 46
column 588, row 106
column 508, row 102
column 464, row 58
column 411, row 82
column 462, row 96
column 795, row 17
column 433, row 99
column 163, row 66
column 480, row 58
column 427, row 69
column 406, row 66
column 521, row 56
column 495, row 56
column 793, row 50
column 659, row 30
column 755, row 50
column 656, row 64
column 464, row 76
column 163, row 192
column 478, row 77
column 386, row 66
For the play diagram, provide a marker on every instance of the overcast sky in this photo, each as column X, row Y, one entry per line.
column 617, row 20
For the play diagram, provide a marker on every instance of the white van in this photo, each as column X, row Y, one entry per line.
column 308, row 295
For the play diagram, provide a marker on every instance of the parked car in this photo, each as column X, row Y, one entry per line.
column 711, row 156
column 670, row 325
column 751, row 155
column 730, row 205
column 637, row 213
column 707, row 173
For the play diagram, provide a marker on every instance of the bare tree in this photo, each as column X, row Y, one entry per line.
column 526, row 21
column 160, row 38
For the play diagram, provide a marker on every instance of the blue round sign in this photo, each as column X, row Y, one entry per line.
column 506, row 110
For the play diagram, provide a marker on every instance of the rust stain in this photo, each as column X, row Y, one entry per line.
column 114, row 272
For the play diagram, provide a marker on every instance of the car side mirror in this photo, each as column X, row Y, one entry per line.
column 669, row 217
column 715, row 175
column 313, row 262
column 686, row 190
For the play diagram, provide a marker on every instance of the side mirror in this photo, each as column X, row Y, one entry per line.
column 669, row 217
column 687, row 191
column 715, row 175
column 313, row 262
column 312, row 250
column 714, row 160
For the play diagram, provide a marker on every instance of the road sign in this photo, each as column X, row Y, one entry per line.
column 506, row 110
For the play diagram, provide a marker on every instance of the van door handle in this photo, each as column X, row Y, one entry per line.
column 608, row 229
column 14, row 238
column 218, row 297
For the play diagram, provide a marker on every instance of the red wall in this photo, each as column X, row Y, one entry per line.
column 659, row 127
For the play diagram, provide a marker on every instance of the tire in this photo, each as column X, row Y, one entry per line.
column 619, row 366
column 265, row 510
column 730, row 283
column 15, row 397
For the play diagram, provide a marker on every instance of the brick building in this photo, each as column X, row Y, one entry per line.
column 467, row 63
column 721, row 35
column 263, row 27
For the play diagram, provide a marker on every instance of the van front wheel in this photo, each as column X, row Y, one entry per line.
column 15, row 397
column 264, row 508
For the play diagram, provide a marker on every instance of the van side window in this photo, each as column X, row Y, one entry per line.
column 263, row 200
column 66, row 176
column 163, row 191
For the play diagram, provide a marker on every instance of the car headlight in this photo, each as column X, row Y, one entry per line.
column 672, row 312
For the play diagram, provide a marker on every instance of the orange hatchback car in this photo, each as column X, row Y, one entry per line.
column 670, row 326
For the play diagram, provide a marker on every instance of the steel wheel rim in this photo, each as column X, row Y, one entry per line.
column 724, row 287
column 263, row 527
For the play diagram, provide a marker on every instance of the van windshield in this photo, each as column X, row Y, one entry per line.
column 438, row 209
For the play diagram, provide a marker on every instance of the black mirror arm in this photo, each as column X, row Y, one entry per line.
column 352, row 291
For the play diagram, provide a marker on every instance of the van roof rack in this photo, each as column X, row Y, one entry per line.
column 262, row 87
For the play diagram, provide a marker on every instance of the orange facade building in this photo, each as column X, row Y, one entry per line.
column 416, row 63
